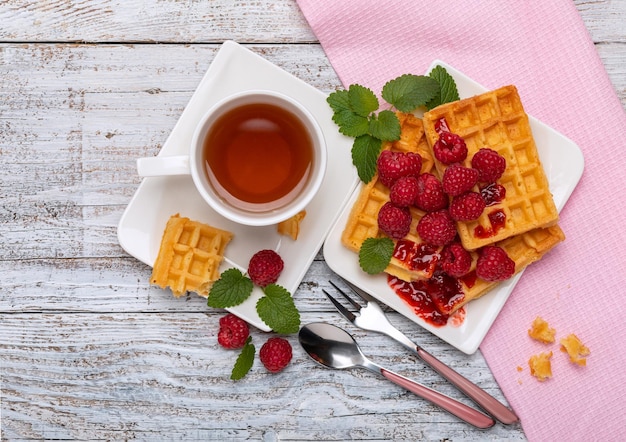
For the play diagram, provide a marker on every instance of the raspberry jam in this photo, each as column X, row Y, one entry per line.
column 430, row 298
column 422, row 257
column 493, row 193
column 441, row 125
column 497, row 219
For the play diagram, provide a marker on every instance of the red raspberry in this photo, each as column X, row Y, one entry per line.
column 455, row 260
column 450, row 148
column 437, row 228
column 494, row 264
column 404, row 191
column 467, row 207
column 458, row 179
column 275, row 354
column 233, row 331
column 393, row 165
column 490, row 165
column 394, row 221
column 430, row 194
column 264, row 267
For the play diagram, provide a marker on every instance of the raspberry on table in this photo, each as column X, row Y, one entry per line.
column 490, row 165
column 430, row 195
column 459, row 179
column 467, row 207
column 437, row 228
column 275, row 354
column 404, row 191
column 393, row 165
column 233, row 331
column 450, row 148
column 394, row 221
column 265, row 267
column 494, row 264
column 455, row 260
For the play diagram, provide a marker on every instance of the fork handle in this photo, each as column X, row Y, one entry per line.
column 490, row 404
column 458, row 409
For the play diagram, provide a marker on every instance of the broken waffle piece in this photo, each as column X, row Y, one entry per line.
column 576, row 350
column 540, row 366
column 189, row 256
column 291, row 226
column 541, row 331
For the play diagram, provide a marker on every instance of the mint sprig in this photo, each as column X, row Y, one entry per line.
column 244, row 361
column 408, row 92
column 447, row 92
column 355, row 111
column 231, row 289
column 375, row 254
column 278, row 310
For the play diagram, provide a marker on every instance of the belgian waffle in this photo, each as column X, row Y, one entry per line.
column 189, row 256
column 362, row 223
column 363, row 219
column 497, row 120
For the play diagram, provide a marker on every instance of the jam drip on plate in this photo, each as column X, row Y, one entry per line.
column 432, row 299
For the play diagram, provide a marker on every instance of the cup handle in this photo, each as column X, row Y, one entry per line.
column 163, row 165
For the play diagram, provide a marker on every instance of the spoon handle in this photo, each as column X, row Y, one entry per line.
column 460, row 410
column 489, row 403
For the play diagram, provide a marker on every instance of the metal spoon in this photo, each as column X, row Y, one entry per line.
column 334, row 347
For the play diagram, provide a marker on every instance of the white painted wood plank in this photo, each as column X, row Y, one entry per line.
column 180, row 21
column 163, row 376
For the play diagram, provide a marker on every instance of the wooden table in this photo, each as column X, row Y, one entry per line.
column 88, row 350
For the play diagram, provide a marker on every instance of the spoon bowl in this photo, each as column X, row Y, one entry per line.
column 331, row 346
column 334, row 347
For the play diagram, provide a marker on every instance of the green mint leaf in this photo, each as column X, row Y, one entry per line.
column 351, row 124
column 339, row 101
column 244, row 361
column 362, row 100
column 278, row 310
column 365, row 150
column 447, row 88
column 375, row 254
column 231, row 289
column 408, row 92
column 385, row 126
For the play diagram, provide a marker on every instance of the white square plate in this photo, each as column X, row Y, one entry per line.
column 563, row 163
column 236, row 69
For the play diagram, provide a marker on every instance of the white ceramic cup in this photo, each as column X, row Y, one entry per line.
column 194, row 163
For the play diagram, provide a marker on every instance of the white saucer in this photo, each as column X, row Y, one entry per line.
column 236, row 69
column 563, row 163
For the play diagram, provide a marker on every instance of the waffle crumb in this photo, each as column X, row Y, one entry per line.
column 540, row 366
column 576, row 350
column 189, row 256
column 291, row 226
column 541, row 331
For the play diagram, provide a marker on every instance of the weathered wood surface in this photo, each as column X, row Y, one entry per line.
column 88, row 350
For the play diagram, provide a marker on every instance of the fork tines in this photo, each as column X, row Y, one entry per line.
column 345, row 295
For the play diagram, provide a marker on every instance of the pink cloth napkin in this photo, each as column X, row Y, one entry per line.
column 544, row 49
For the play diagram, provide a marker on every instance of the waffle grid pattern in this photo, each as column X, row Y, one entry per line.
column 497, row 120
column 189, row 256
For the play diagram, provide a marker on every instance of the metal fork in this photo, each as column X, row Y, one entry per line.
column 373, row 318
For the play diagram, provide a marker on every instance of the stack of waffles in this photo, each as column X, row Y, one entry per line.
column 527, row 216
